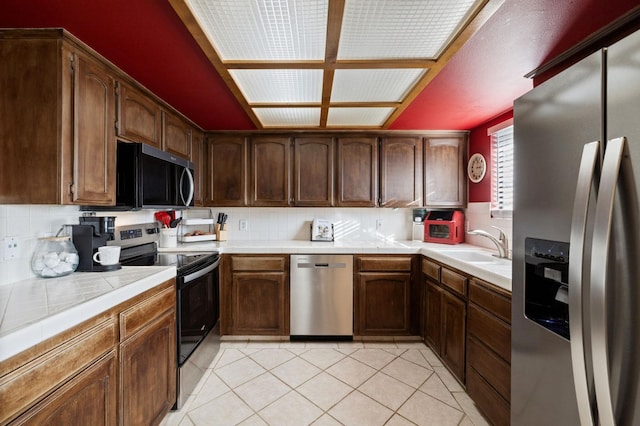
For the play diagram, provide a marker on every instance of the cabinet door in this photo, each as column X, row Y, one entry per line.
column 176, row 135
column 226, row 171
column 90, row 398
column 313, row 172
column 94, row 143
column 433, row 316
column 259, row 303
column 148, row 372
column 384, row 303
column 270, row 164
column 445, row 182
column 139, row 117
column 30, row 124
column 357, row 182
column 401, row 172
column 453, row 333
column 197, row 157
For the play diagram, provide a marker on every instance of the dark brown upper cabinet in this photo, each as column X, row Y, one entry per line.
column 197, row 157
column 176, row 134
column 226, row 171
column 313, row 171
column 139, row 117
column 270, row 178
column 94, row 143
column 401, row 172
column 445, row 181
column 357, row 172
column 57, row 138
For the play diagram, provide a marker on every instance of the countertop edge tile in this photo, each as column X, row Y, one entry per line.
column 15, row 341
column 436, row 251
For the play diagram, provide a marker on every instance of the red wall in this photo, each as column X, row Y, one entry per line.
column 480, row 142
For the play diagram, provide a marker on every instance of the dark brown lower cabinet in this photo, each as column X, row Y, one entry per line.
column 258, row 303
column 454, row 330
column 386, row 301
column 489, row 351
column 445, row 316
column 148, row 373
column 255, row 295
column 90, row 397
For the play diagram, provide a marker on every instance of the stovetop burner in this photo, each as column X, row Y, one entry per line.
column 139, row 248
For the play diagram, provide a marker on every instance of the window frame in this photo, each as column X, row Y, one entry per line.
column 497, row 165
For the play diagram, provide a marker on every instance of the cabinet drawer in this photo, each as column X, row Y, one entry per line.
column 495, row 370
column 139, row 315
column 431, row 269
column 24, row 386
column 493, row 300
column 491, row 331
column 454, row 281
column 385, row 264
column 258, row 263
column 490, row 403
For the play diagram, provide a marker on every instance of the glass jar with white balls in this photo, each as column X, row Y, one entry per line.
column 54, row 257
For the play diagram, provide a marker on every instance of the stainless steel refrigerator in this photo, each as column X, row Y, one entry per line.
column 576, row 248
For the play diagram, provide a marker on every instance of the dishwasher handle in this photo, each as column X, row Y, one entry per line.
column 321, row 265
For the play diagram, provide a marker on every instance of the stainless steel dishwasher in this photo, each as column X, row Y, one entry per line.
column 321, row 297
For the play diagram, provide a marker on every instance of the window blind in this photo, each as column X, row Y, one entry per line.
column 502, row 172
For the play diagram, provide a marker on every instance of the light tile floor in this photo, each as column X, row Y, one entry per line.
column 351, row 383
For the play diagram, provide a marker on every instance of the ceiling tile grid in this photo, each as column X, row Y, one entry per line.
column 288, row 117
column 349, row 63
column 371, row 85
column 400, row 29
column 358, row 116
column 274, row 86
column 264, row 30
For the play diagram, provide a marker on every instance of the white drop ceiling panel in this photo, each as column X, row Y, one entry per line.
column 373, row 85
column 399, row 28
column 358, row 116
column 264, row 30
column 288, row 117
column 279, row 86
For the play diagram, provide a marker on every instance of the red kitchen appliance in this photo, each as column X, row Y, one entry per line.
column 444, row 227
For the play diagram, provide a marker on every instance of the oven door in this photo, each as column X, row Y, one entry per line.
column 198, row 308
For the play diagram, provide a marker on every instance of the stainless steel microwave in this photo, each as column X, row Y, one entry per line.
column 148, row 178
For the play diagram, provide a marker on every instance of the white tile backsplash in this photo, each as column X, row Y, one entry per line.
column 294, row 223
column 28, row 222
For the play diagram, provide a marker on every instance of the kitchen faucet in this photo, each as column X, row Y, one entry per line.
column 500, row 242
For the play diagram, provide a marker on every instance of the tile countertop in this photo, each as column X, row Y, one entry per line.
column 35, row 309
column 498, row 273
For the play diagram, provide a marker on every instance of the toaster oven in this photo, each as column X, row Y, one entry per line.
column 445, row 227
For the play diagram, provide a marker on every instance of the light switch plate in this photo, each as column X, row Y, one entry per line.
column 244, row 225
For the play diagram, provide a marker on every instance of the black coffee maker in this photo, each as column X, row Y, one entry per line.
column 93, row 232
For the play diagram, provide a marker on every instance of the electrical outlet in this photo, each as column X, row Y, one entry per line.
column 244, row 225
column 10, row 248
column 378, row 224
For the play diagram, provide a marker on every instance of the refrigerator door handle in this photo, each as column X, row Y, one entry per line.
column 616, row 150
column 586, row 175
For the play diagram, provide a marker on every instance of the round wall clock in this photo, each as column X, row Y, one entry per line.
column 476, row 168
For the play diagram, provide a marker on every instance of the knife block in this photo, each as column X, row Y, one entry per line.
column 221, row 234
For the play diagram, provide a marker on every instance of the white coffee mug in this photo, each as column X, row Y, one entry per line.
column 107, row 255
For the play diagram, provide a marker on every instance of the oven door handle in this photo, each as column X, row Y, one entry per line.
column 205, row 271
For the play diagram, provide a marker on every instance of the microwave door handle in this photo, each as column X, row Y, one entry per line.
column 191, row 186
column 586, row 176
column 615, row 153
